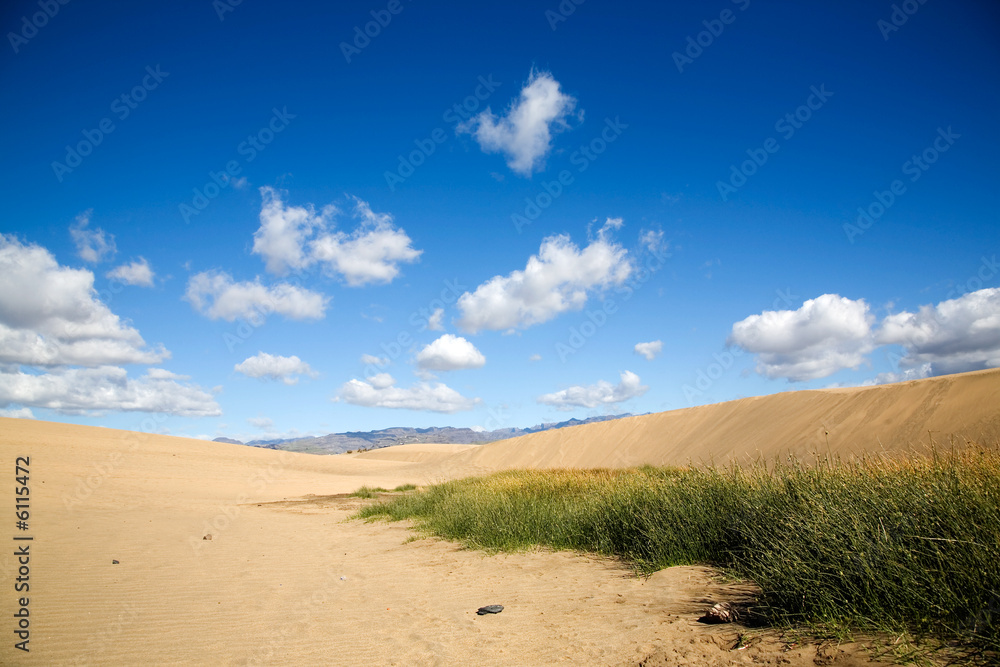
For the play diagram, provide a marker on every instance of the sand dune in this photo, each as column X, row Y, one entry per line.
column 284, row 580
column 844, row 422
column 416, row 453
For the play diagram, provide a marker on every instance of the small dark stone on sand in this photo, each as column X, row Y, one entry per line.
column 490, row 609
column 114, row 562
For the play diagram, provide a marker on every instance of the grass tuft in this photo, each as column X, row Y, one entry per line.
column 900, row 546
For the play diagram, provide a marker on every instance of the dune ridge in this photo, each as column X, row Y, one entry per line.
column 893, row 418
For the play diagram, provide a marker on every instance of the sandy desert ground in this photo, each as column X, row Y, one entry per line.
column 286, row 580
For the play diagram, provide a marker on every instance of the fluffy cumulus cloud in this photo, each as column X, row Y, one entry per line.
column 649, row 350
column 954, row 336
column 134, row 273
column 294, row 238
column 88, row 390
column 61, row 347
column 380, row 391
column 556, row 280
column 50, row 315
column 524, row 133
column 217, row 296
column 266, row 366
column 827, row 334
column 93, row 245
column 450, row 353
column 592, row 396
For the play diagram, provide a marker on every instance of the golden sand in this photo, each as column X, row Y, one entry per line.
column 285, row 580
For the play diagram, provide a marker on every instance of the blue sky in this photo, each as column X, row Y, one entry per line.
column 256, row 220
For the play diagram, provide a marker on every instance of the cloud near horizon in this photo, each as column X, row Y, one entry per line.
column 592, row 396
column 379, row 391
column 832, row 333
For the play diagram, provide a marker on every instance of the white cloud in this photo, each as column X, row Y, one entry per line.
column 434, row 321
column 50, row 315
column 215, row 295
column 450, row 353
column 135, row 273
column 827, row 334
column 524, row 134
column 296, row 237
column 535, row 357
column 917, row 373
column 372, row 360
column 652, row 240
column 602, row 393
column 380, row 391
column 274, row 367
column 17, row 413
column 649, row 350
column 92, row 245
column 262, row 423
column 954, row 336
column 558, row 279
column 81, row 390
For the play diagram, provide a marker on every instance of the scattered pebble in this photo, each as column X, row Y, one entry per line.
column 722, row 612
column 490, row 609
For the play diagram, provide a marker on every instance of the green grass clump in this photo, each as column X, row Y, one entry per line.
column 877, row 544
column 406, row 487
column 368, row 492
column 374, row 491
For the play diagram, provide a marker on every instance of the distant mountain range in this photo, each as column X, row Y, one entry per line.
column 338, row 443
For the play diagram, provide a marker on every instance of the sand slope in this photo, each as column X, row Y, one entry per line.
column 286, row 581
column 416, row 453
column 892, row 418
